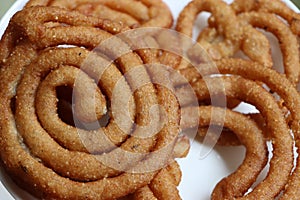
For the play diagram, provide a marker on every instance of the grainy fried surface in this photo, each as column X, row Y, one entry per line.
column 142, row 13
column 95, row 93
column 60, row 152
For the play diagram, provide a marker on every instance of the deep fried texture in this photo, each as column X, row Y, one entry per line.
column 227, row 26
column 277, row 7
column 87, row 177
column 292, row 189
column 163, row 186
column 282, row 161
column 47, row 176
column 287, row 40
column 256, row 72
column 142, row 13
column 227, row 37
column 249, row 134
column 62, row 27
column 251, row 41
column 43, row 36
column 227, row 137
column 14, row 34
column 277, row 83
column 46, row 95
column 268, row 15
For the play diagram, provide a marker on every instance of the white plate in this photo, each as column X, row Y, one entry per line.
column 200, row 175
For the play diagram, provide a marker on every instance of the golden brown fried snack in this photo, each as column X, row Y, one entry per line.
column 228, row 36
column 44, row 54
column 142, row 13
column 282, row 161
column 277, row 7
column 227, row 26
column 287, row 40
column 107, row 157
column 277, row 83
column 227, row 137
column 163, row 186
column 292, row 189
column 249, row 134
column 251, row 41
column 165, row 183
column 256, row 72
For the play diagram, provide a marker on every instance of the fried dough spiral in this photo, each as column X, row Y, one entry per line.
column 282, row 161
column 275, row 81
column 235, row 34
column 57, row 160
column 133, row 13
column 97, row 96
